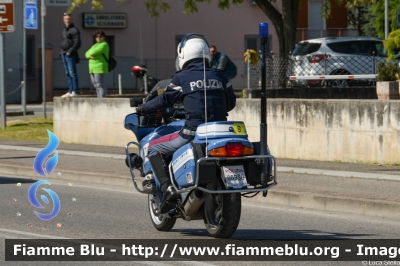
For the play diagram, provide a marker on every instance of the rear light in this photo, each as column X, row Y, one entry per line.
column 135, row 68
column 139, row 71
column 316, row 58
column 232, row 150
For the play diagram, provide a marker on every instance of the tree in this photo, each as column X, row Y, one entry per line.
column 378, row 9
column 359, row 17
column 392, row 44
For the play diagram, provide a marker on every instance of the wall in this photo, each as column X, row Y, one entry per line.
column 343, row 130
column 337, row 19
column 146, row 40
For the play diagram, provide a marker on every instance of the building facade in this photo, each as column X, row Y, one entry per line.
column 134, row 38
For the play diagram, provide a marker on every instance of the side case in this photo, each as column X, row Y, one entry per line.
column 184, row 166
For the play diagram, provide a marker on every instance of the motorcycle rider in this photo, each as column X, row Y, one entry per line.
column 187, row 85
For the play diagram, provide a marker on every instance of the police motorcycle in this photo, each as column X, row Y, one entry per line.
column 211, row 173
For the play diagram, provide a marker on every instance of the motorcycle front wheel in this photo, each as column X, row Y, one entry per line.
column 221, row 212
column 161, row 222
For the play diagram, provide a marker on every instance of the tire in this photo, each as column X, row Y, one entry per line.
column 339, row 83
column 162, row 222
column 221, row 212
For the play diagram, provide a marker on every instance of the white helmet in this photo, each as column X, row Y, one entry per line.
column 191, row 47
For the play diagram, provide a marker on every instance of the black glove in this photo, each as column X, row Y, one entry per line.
column 139, row 110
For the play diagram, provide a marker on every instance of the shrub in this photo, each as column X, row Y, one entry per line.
column 392, row 44
column 388, row 71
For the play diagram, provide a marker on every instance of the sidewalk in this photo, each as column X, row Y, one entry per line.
column 330, row 186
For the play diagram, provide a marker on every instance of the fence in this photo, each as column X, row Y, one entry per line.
column 280, row 67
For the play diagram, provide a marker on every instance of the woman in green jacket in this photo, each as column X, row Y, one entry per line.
column 98, row 65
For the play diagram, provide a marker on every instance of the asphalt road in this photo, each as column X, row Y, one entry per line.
column 107, row 212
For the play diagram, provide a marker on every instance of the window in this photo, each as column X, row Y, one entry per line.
column 30, row 56
column 358, row 47
column 253, row 42
column 304, row 48
column 315, row 20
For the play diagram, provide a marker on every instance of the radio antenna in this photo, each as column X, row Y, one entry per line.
column 205, row 99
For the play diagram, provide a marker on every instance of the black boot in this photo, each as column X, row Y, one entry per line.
column 169, row 193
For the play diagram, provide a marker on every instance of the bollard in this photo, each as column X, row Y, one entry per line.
column 23, row 98
column 248, row 69
column 120, row 84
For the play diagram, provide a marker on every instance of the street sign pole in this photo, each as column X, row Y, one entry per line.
column 43, row 13
column 30, row 22
column 23, row 87
column 2, row 89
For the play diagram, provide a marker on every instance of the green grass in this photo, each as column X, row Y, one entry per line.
column 33, row 129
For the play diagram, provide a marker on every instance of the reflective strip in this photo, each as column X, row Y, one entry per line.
column 219, row 129
column 182, row 159
column 175, row 87
column 188, row 132
column 367, row 76
column 166, row 138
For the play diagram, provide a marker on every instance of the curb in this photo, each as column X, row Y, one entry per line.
column 286, row 169
column 19, row 113
column 278, row 196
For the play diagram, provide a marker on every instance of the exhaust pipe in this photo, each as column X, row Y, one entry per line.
column 194, row 202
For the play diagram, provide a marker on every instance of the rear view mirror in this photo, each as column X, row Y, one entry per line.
column 134, row 102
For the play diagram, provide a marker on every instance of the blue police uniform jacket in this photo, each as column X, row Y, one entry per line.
column 188, row 86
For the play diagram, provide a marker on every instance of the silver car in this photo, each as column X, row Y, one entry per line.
column 336, row 56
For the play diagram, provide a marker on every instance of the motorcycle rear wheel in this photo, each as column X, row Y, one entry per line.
column 221, row 212
column 161, row 222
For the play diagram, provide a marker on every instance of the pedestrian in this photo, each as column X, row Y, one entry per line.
column 71, row 42
column 187, row 86
column 222, row 62
column 98, row 67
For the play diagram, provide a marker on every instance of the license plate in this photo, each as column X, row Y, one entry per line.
column 235, row 176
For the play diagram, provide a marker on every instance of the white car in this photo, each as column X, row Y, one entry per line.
column 336, row 56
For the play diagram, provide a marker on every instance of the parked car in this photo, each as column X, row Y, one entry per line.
column 336, row 56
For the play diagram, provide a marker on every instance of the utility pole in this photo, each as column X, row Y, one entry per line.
column 43, row 13
column 386, row 18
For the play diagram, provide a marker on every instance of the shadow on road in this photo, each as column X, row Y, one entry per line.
column 15, row 180
column 263, row 234
column 19, row 157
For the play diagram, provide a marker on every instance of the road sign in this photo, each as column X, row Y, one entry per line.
column 30, row 2
column 58, row 2
column 31, row 18
column 7, row 16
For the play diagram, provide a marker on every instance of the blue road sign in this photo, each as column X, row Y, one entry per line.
column 30, row 2
column 31, row 18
